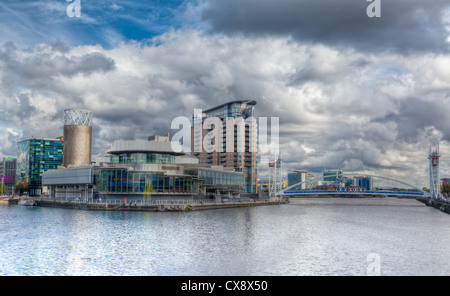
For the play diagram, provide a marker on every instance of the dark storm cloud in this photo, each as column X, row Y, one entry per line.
column 414, row 115
column 47, row 65
column 404, row 25
column 337, row 108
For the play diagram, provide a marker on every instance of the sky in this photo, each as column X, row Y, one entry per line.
column 364, row 94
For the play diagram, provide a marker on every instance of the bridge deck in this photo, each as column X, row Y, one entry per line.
column 366, row 192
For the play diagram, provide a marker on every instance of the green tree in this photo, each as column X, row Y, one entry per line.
column 445, row 188
column 21, row 187
column 2, row 188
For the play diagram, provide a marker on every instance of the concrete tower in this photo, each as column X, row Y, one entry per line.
column 77, row 137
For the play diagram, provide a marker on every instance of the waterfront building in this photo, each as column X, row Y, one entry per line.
column 141, row 169
column 365, row 182
column 332, row 175
column 212, row 178
column 294, row 178
column 302, row 176
column 234, row 145
column 34, row 157
column 349, row 182
column 8, row 174
column 2, row 179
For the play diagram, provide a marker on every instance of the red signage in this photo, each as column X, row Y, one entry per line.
column 435, row 161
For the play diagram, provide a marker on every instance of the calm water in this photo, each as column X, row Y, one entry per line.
column 305, row 237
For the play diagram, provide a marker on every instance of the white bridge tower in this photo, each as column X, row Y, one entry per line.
column 275, row 176
column 435, row 179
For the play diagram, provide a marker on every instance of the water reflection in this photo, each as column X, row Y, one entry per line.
column 305, row 237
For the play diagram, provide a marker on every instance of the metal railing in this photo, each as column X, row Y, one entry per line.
column 149, row 201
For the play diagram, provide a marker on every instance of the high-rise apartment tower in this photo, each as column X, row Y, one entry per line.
column 232, row 141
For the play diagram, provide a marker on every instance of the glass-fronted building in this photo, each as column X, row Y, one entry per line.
column 302, row 176
column 213, row 177
column 365, row 182
column 333, row 175
column 294, row 178
column 121, row 180
column 34, row 157
column 140, row 169
column 140, row 166
column 142, row 158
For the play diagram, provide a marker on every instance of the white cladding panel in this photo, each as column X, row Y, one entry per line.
column 67, row 177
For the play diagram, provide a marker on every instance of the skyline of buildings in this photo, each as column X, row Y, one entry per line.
column 330, row 178
column 134, row 170
column 308, row 83
column 36, row 156
column 207, row 175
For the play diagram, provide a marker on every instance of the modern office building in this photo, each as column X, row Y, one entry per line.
column 365, row 182
column 332, row 175
column 294, row 178
column 302, row 176
column 34, row 157
column 8, row 174
column 212, row 178
column 349, row 182
column 231, row 142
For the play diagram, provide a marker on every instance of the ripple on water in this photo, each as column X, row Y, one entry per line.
column 305, row 237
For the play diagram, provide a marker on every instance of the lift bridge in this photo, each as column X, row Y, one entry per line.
column 413, row 191
column 296, row 189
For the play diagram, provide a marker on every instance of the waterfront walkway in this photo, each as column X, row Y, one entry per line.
column 8, row 200
column 442, row 205
column 158, row 205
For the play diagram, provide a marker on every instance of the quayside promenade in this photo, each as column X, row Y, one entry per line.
column 442, row 205
column 158, row 206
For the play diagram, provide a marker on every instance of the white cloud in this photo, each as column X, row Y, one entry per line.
column 337, row 108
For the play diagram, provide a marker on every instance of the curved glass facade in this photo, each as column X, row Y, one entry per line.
column 142, row 158
column 207, row 177
column 119, row 180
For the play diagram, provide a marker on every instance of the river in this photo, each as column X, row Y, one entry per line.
column 339, row 236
